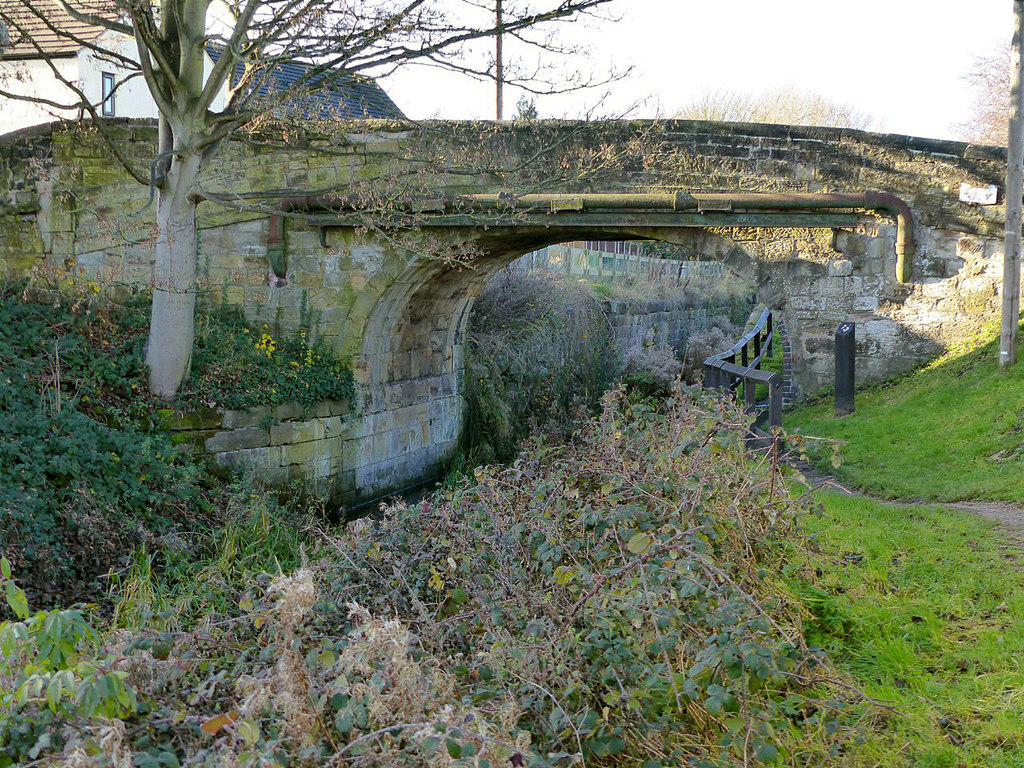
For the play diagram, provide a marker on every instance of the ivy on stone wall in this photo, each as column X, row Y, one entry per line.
column 235, row 366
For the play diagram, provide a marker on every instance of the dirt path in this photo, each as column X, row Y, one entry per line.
column 1008, row 515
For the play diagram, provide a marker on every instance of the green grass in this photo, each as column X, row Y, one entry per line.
column 951, row 431
column 922, row 607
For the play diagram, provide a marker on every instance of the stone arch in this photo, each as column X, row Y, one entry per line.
column 411, row 358
column 426, row 307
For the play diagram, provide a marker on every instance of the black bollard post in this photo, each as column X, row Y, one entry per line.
column 846, row 350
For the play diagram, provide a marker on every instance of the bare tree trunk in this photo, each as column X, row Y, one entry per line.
column 1014, row 191
column 499, row 64
column 172, row 321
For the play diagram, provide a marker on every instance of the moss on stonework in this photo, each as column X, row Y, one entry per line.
column 198, row 418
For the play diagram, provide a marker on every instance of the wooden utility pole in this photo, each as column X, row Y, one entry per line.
column 499, row 63
column 1014, row 192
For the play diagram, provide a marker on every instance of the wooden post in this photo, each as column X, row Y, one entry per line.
column 710, row 377
column 1014, row 191
column 774, row 405
column 749, row 395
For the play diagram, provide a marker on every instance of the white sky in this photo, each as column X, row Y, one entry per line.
column 900, row 61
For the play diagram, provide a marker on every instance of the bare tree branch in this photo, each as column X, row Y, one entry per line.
column 989, row 78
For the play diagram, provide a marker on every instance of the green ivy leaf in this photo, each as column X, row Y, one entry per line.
column 454, row 749
column 767, row 753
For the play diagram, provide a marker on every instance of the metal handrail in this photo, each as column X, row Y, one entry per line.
column 722, row 372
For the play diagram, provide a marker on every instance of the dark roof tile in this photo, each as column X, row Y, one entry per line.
column 332, row 94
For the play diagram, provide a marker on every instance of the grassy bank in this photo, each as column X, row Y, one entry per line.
column 923, row 609
column 951, row 431
column 921, row 606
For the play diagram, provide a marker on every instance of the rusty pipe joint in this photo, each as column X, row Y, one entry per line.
column 905, row 245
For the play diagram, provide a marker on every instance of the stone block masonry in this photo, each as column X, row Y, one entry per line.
column 278, row 446
column 395, row 299
column 658, row 323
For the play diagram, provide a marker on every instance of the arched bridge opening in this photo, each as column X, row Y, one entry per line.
column 411, row 358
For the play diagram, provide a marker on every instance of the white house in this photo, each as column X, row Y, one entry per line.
column 38, row 62
column 37, row 59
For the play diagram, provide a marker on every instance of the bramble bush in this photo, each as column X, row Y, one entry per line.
column 651, row 369
column 50, row 670
column 719, row 336
column 615, row 602
column 618, row 590
column 539, row 357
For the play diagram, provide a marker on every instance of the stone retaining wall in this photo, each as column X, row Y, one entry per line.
column 279, row 445
column 658, row 323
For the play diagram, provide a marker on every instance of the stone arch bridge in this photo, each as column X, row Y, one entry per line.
column 378, row 236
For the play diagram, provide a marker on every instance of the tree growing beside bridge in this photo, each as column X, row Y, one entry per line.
column 203, row 101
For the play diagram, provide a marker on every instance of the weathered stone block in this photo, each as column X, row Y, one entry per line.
column 264, row 462
column 238, row 439
column 841, row 268
column 287, row 411
column 247, row 418
column 865, row 303
column 282, row 434
column 328, row 408
column 199, row 418
column 298, row 453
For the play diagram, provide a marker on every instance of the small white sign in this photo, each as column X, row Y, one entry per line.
column 979, row 195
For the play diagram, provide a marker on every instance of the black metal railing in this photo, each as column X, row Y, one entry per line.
column 721, row 371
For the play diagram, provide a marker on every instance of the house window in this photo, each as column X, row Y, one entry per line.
column 108, row 94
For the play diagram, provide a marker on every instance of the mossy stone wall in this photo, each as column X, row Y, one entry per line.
column 396, row 299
